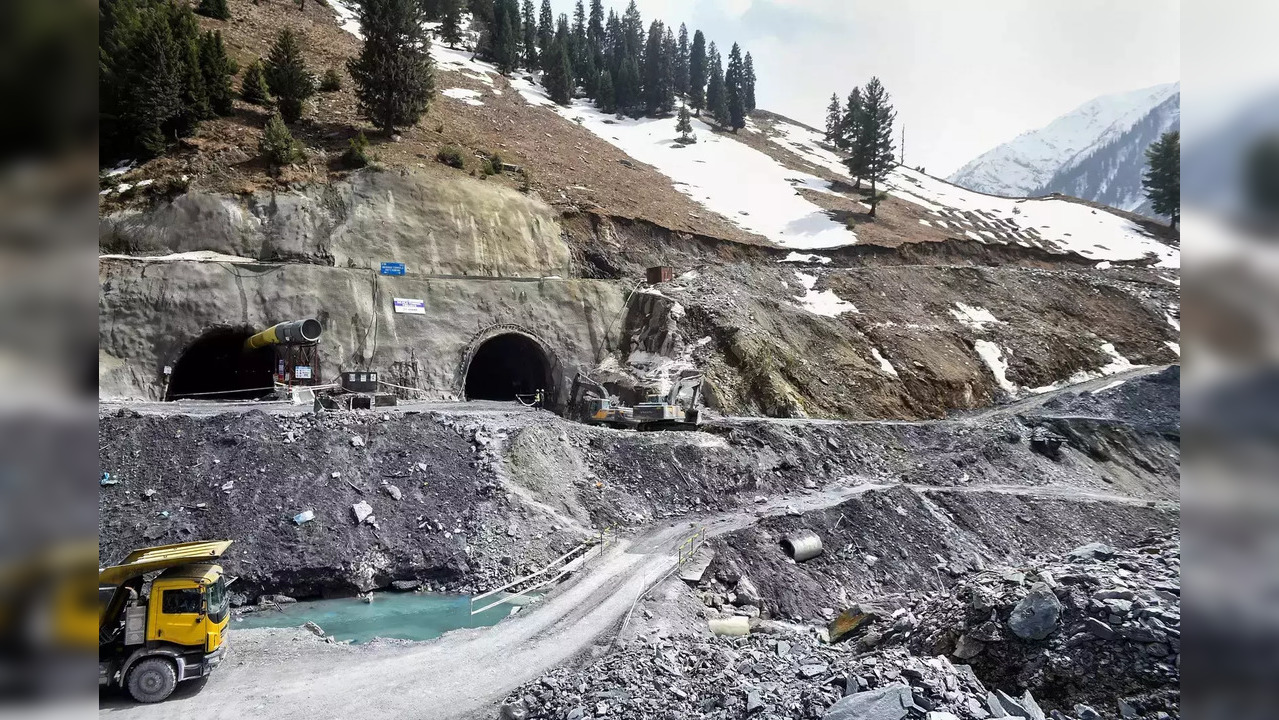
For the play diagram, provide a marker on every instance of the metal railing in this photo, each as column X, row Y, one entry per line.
column 563, row 564
column 690, row 546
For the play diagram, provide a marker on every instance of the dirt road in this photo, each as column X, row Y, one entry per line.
column 464, row 674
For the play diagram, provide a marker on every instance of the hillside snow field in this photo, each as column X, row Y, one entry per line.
column 1022, row 165
column 1047, row 223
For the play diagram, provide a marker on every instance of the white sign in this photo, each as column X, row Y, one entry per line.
column 302, row 372
column 410, row 306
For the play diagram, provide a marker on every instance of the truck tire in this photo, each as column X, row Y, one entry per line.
column 152, row 680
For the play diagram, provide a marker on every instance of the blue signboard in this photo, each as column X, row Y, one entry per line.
column 392, row 268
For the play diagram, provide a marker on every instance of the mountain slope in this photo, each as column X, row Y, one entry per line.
column 1111, row 174
column 1032, row 160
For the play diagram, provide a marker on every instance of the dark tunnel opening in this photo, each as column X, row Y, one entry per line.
column 217, row 367
column 505, row 366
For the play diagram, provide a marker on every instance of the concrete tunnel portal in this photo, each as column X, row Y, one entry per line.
column 507, row 365
column 216, row 367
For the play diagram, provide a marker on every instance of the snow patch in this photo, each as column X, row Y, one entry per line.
column 1109, row 386
column 470, row 97
column 1174, row 322
column 1071, row 226
column 1118, row 363
column 974, row 317
column 1173, row 346
column 190, row 256
column 347, row 19
column 884, row 365
column 690, row 275
column 825, row 303
column 728, row 177
column 994, row 359
column 1104, row 265
column 794, row 257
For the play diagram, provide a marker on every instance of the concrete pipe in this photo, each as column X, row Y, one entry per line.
column 802, row 545
column 286, row 333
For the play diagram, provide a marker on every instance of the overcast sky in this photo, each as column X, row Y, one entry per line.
column 964, row 76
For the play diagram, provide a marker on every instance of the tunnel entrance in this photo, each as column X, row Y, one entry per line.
column 217, row 367
column 507, row 365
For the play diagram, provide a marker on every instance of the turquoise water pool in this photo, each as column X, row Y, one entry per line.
column 406, row 616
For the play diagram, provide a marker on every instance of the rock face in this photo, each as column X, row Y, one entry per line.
column 459, row 227
column 1035, row 616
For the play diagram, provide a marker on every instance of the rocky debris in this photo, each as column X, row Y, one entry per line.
column 898, row 663
column 764, row 675
column 405, row 585
column 392, row 491
column 1098, row 625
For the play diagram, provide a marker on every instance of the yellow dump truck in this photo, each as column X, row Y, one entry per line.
column 150, row 638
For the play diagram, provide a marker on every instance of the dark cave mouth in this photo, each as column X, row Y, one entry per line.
column 506, row 366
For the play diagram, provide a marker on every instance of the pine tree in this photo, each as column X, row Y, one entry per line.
column 545, row 28
column 195, row 96
column 286, row 72
column 850, row 128
column 393, row 74
column 684, row 126
column 595, row 33
column 277, row 144
column 627, row 86
column 143, row 82
column 530, row 36
column 697, row 73
column 834, row 116
column 734, row 90
column 215, row 69
column 451, row 22
column 253, row 87
column 875, row 137
column 748, row 84
column 669, row 52
column 581, row 51
column 559, row 76
column 1162, row 179
column 655, row 90
column 604, row 97
column 681, row 62
column 215, row 9
column 716, row 100
column 505, row 41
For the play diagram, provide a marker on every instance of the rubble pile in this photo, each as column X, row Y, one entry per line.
column 782, row 673
column 1098, row 626
column 1091, row 634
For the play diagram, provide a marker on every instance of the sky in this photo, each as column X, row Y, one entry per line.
column 964, row 76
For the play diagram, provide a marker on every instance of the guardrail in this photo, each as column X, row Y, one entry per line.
column 685, row 551
column 690, row 546
column 563, row 564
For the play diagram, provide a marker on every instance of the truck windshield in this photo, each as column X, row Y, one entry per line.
column 217, row 600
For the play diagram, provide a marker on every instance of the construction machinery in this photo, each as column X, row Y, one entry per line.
column 149, row 641
column 595, row 405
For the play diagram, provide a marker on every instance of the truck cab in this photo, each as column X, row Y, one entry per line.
column 150, row 639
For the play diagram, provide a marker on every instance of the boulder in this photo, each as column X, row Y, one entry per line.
column 393, row 491
column 747, row 593
column 890, row 702
column 362, row 512
column 967, row 648
column 1035, row 615
column 405, row 585
column 314, row 629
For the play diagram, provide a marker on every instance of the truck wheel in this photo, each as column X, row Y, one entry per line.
column 152, row 680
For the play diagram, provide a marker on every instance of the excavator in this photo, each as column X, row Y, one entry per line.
column 593, row 404
column 148, row 643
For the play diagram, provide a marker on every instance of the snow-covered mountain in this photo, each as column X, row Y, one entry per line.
column 1105, row 137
